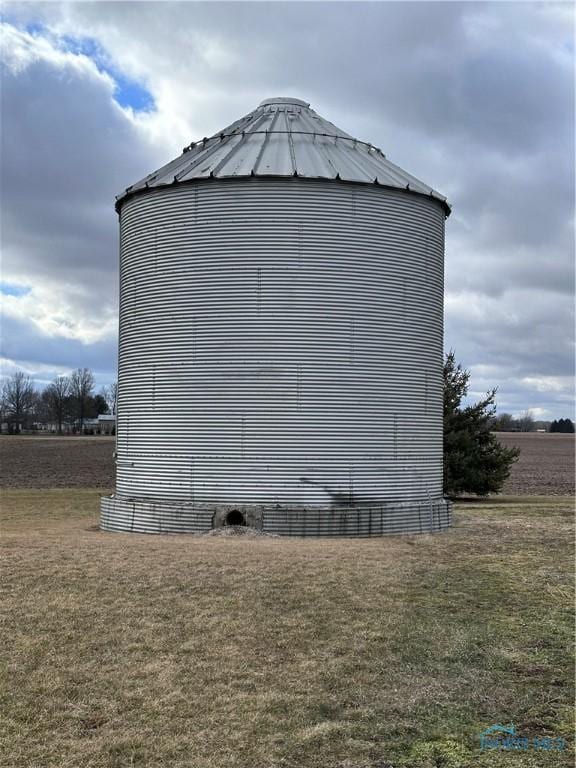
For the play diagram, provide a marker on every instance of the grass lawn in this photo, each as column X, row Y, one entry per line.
column 208, row 652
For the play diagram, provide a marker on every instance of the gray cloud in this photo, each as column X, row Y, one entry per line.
column 66, row 152
column 45, row 357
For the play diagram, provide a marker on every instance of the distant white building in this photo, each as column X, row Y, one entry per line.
column 107, row 424
column 103, row 425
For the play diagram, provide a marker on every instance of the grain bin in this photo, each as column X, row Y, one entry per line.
column 281, row 320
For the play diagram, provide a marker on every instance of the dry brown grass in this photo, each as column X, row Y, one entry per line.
column 208, row 652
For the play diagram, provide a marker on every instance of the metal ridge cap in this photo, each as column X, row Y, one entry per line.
column 284, row 100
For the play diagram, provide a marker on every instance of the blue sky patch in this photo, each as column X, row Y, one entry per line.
column 127, row 92
column 33, row 29
column 9, row 289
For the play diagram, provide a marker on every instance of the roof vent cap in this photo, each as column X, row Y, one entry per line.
column 283, row 100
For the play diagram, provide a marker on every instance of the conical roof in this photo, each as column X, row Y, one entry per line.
column 283, row 137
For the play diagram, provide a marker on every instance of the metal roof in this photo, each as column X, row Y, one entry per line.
column 283, row 136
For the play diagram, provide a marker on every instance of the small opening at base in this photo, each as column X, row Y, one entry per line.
column 235, row 518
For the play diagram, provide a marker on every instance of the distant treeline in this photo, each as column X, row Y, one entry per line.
column 68, row 401
column 505, row 422
column 562, row 425
column 64, row 404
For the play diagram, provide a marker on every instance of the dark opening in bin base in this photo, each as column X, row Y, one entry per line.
column 235, row 517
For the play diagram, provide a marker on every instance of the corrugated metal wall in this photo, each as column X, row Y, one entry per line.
column 280, row 351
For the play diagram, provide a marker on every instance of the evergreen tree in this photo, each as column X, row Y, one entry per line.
column 96, row 405
column 562, row 425
column 474, row 461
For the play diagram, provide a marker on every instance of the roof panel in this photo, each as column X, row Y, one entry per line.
column 282, row 137
column 276, row 159
column 309, row 162
column 242, row 160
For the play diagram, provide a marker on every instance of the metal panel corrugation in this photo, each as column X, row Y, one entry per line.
column 283, row 137
column 280, row 350
column 169, row 517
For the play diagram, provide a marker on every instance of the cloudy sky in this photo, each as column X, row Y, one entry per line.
column 476, row 99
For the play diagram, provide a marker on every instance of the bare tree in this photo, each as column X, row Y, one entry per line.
column 525, row 422
column 110, row 394
column 57, row 395
column 18, row 399
column 504, row 423
column 81, row 387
